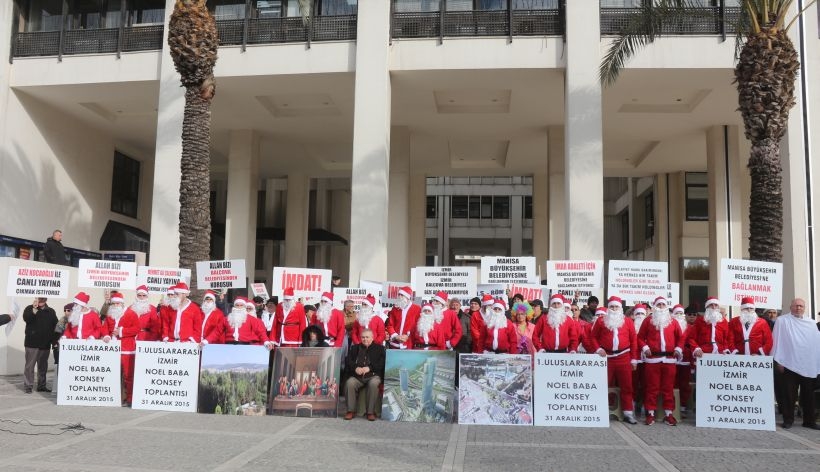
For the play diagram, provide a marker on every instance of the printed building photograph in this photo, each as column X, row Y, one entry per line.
column 419, row 386
column 495, row 389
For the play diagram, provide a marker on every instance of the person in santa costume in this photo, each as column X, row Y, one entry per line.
column 165, row 309
column 184, row 317
column 268, row 315
column 613, row 336
column 585, row 328
column 214, row 324
column 638, row 315
column 289, row 322
column 447, row 320
column 428, row 335
column 251, row 309
column 710, row 333
column 150, row 324
column 83, row 322
column 683, row 371
column 242, row 326
column 499, row 334
column 401, row 320
column 126, row 328
column 661, row 343
column 750, row 334
column 368, row 319
column 478, row 322
column 556, row 332
column 330, row 320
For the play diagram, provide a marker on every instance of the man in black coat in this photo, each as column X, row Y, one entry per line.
column 365, row 364
column 54, row 250
column 40, row 322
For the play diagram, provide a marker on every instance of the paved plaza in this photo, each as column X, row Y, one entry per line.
column 130, row 440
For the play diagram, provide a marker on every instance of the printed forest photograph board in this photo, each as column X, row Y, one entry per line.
column 305, row 382
column 233, row 380
column 495, row 389
column 419, row 386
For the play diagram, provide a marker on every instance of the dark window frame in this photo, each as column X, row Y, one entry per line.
column 690, row 210
column 125, row 185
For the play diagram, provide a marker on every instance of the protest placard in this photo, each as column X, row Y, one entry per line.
column 508, row 270
column 458, row 282
column 495, row 389
column 571, row 390
column 494, row 290
column 354, row 294
column 575, row 275
column 166, row 376
column 307, row 284
column 219, row 275
column 530, row 292
column 89, row 373
column 673, row 294
column 638, row 281
column 763, row 281
column 234, row 380
column 260, row 290
column 113, row 275
column 43, row 282
column 390, row 293
column 735, row 392
column 158, row 279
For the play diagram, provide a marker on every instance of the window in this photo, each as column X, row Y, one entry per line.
column 625, row 231
column 459, row 207
column 338, row 7
column 230, row 9
column 475, row 207
column 501, row 208
column 487, row 207
column 146, row 12
column 125, row 185
column 431, row 207
column 697, row 196
column 527, row 208
column 42, row 15
column 649, row 216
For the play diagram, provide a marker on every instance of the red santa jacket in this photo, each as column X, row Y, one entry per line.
column 567, row 338
column 477, row 330
column 601, row 337
column 756, row 340
column 214, row 326
column 88, row 327
column 584, row 335
column 107, row 326
column 661, row 345
column 190, row 324
column 450, row 328
column 394, row 325
column 334, row 329
column 287, row 329
column 376, row 325
column 500, row 340
column 712, row 339
column 164, row 315
column 435, row 341
column 252, row 331
column 150, row 325
column 126, row 329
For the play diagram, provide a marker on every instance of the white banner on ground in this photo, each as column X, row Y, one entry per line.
column 735, row 392
column 572, row 275
column 458, row 282
column 762, row 281
column 637, row 281
column 673, row 294
column 94, row 273
column 166, row 376
column 508, row 270
column 308, row 284
column 571, row 390
column 220, row 274
column 530, row 292
column 89, row 373
column 159, row 279
column 354, row 294
column 390, row 293
column 260, row 290
column 496, row 290
column 41, row 282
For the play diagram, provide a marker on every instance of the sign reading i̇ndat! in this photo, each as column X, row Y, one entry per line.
column 762, row 281
column 530, row 292
column 220, row 274
column 566, row 275
column 94, row 273
column 166, row 376
column 158, row 279
column 42, row 282
column 307, row 284
column 458, row 282
column 570, row 390
column 508, row 270
column 89, row 373
column 735, row 392
column 637, row 281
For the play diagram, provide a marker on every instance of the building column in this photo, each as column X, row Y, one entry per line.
column 724, row 171
column 274, row 217
column 296, row 220
column 516, row 225
column 320, row 220
column 555, row 195
column 340, row 224
column 370, row 178
column 240, row 215
column 583, row 159
column 398, row 245
column 417, row 233
column 167, row 159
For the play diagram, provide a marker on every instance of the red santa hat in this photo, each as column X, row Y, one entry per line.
column 660, row 300
column 712, row 301
column 427, row 307
column 406, row 292
column 557, row 298
column 500, row 304
column 640, row 308
column 369, row 300
column 182, row 288
column 142, row 290
column 613, row 300
column 487, row 300
column 82, row 299
column 287, row 294
column 747, row 302
column 116, row 297
column 239, row 301
column 440, row 297
column 677, row 309
column 327, row 297
column 171, row 290
column 209, row 294
column 600, row 311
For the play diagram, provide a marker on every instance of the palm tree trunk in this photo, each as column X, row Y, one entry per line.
column 194, row 188
column 766, row 202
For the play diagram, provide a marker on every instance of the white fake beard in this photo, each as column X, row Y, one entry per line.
column 237, row 317
column 287, row 305
column 140, row 307
column 166, row 300
column 497, row 321
column 681, row 319
column 115, row 312
column 174, row 303
column 438, row 313
column 614, row 319
column 750, row 317
column 425, row 323
column 324, row 312
column 661, row 318
column 76, row 315
column 713, row 316
column 487, row 314
column 556, row 317
column 208, row 307
column 365, row 315
column 403, row 302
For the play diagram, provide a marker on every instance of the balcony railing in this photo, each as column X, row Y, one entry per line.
column 694, row 21
column 439, row 24
column 89, row 41
column 285, row 30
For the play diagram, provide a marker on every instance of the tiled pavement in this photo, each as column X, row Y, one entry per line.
column 130, row 440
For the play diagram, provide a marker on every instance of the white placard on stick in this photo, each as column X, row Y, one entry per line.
column 93, row 273
column 637, row 281
column 390, row 293
column 530, row 292
column 308, row 284
column 220, row 275
column 89, row 373
column 581, row 296
column 571, row 390
column 735, row 392
column 673, row 295
column 760, row 280
column 495, row 290
column 260, row 290
column 158, row 279
column 508, row 270
column 458, row 282
column 166, row 376
column 575, row 275
column 43, row 282
column 354, row 294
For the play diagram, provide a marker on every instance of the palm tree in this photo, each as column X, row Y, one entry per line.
column 766, row 70
column 192, row 38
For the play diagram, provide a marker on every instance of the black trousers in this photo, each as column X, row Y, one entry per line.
column 791, row 382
